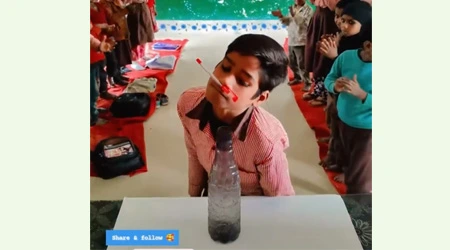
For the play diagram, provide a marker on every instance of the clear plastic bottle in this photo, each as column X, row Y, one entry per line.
column 224, row 191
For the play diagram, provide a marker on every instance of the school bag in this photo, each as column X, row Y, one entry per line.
column 116, row 156
column 130, row 105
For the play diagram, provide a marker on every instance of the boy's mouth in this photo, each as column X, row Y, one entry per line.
column 218, row 90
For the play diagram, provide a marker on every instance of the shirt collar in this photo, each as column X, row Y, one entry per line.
column 203, row 112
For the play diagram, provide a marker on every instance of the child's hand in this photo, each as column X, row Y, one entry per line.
column 106, row 46
column 325, row 36
column 111, row 28
column 352, row 87
column 328, row 48
column 277, row 13
column 339, row 85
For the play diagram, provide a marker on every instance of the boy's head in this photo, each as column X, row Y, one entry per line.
column 299, row 2
column 366, row 37
column 253, row 66
column 354, row 16
column 338, row 10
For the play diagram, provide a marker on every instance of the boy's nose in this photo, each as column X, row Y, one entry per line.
column 225, row 78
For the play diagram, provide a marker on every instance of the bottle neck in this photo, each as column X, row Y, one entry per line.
column 224, row 157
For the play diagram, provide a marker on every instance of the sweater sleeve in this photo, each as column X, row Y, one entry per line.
column 334, row 74
column 368, row 102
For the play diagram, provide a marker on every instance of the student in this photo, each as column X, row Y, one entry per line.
column 318, row 65
column 153, row 13
column 350, row 15
column 297, row 22
column 98, row 15
column 140, row 25
column 351, row 77
column 253, row 66
column 116, row 13
column 98, row 47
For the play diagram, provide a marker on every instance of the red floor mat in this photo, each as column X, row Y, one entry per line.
column 134, row 131
column 315, row 117
column 133, row 128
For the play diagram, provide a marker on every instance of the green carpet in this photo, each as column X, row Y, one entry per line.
column 104, row 215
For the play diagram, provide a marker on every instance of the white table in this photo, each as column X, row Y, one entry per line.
column 296, row 222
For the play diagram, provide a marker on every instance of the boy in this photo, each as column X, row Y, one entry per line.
column 252, row 67
column 351, row 77
column 98, row 47
column 297, row 23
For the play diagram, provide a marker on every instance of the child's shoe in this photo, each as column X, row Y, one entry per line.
column 164, row 100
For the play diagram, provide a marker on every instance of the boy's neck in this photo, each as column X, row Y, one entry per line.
column 227, row 116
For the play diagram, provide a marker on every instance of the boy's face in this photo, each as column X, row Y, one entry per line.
column 337, row 16
column 349, row 26
column 299, row 2
column 242, row 75
column 367, row 49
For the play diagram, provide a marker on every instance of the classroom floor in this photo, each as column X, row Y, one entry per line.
column 165, row 149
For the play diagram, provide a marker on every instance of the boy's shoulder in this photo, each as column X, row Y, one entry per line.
column 190, row 98
column 268, row 128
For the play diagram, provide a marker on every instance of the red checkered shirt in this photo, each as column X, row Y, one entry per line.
column 259, row 142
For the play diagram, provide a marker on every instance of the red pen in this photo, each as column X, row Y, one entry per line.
column 224, row 87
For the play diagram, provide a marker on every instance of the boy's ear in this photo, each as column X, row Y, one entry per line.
column 262, row 98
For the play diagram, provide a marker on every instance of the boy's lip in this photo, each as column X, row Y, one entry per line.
column 219, row 90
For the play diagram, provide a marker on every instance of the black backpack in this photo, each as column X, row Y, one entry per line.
column 116, row 156
column 130, row 105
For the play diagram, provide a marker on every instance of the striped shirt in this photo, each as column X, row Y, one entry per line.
column 259, row 142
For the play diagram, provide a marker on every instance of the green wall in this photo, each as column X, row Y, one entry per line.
column 219, row 9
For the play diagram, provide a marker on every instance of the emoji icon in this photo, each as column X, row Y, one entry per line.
column 170, row 237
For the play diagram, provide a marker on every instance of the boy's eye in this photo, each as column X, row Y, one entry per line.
column 242, row 82
column 238, row 80
column 225, row 69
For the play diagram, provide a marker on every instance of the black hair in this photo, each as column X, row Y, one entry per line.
column 271, row 55
column 366, row 32
column 360, row 11
column 343, row 3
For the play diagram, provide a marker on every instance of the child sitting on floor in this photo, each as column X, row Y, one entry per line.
column 351, row 77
